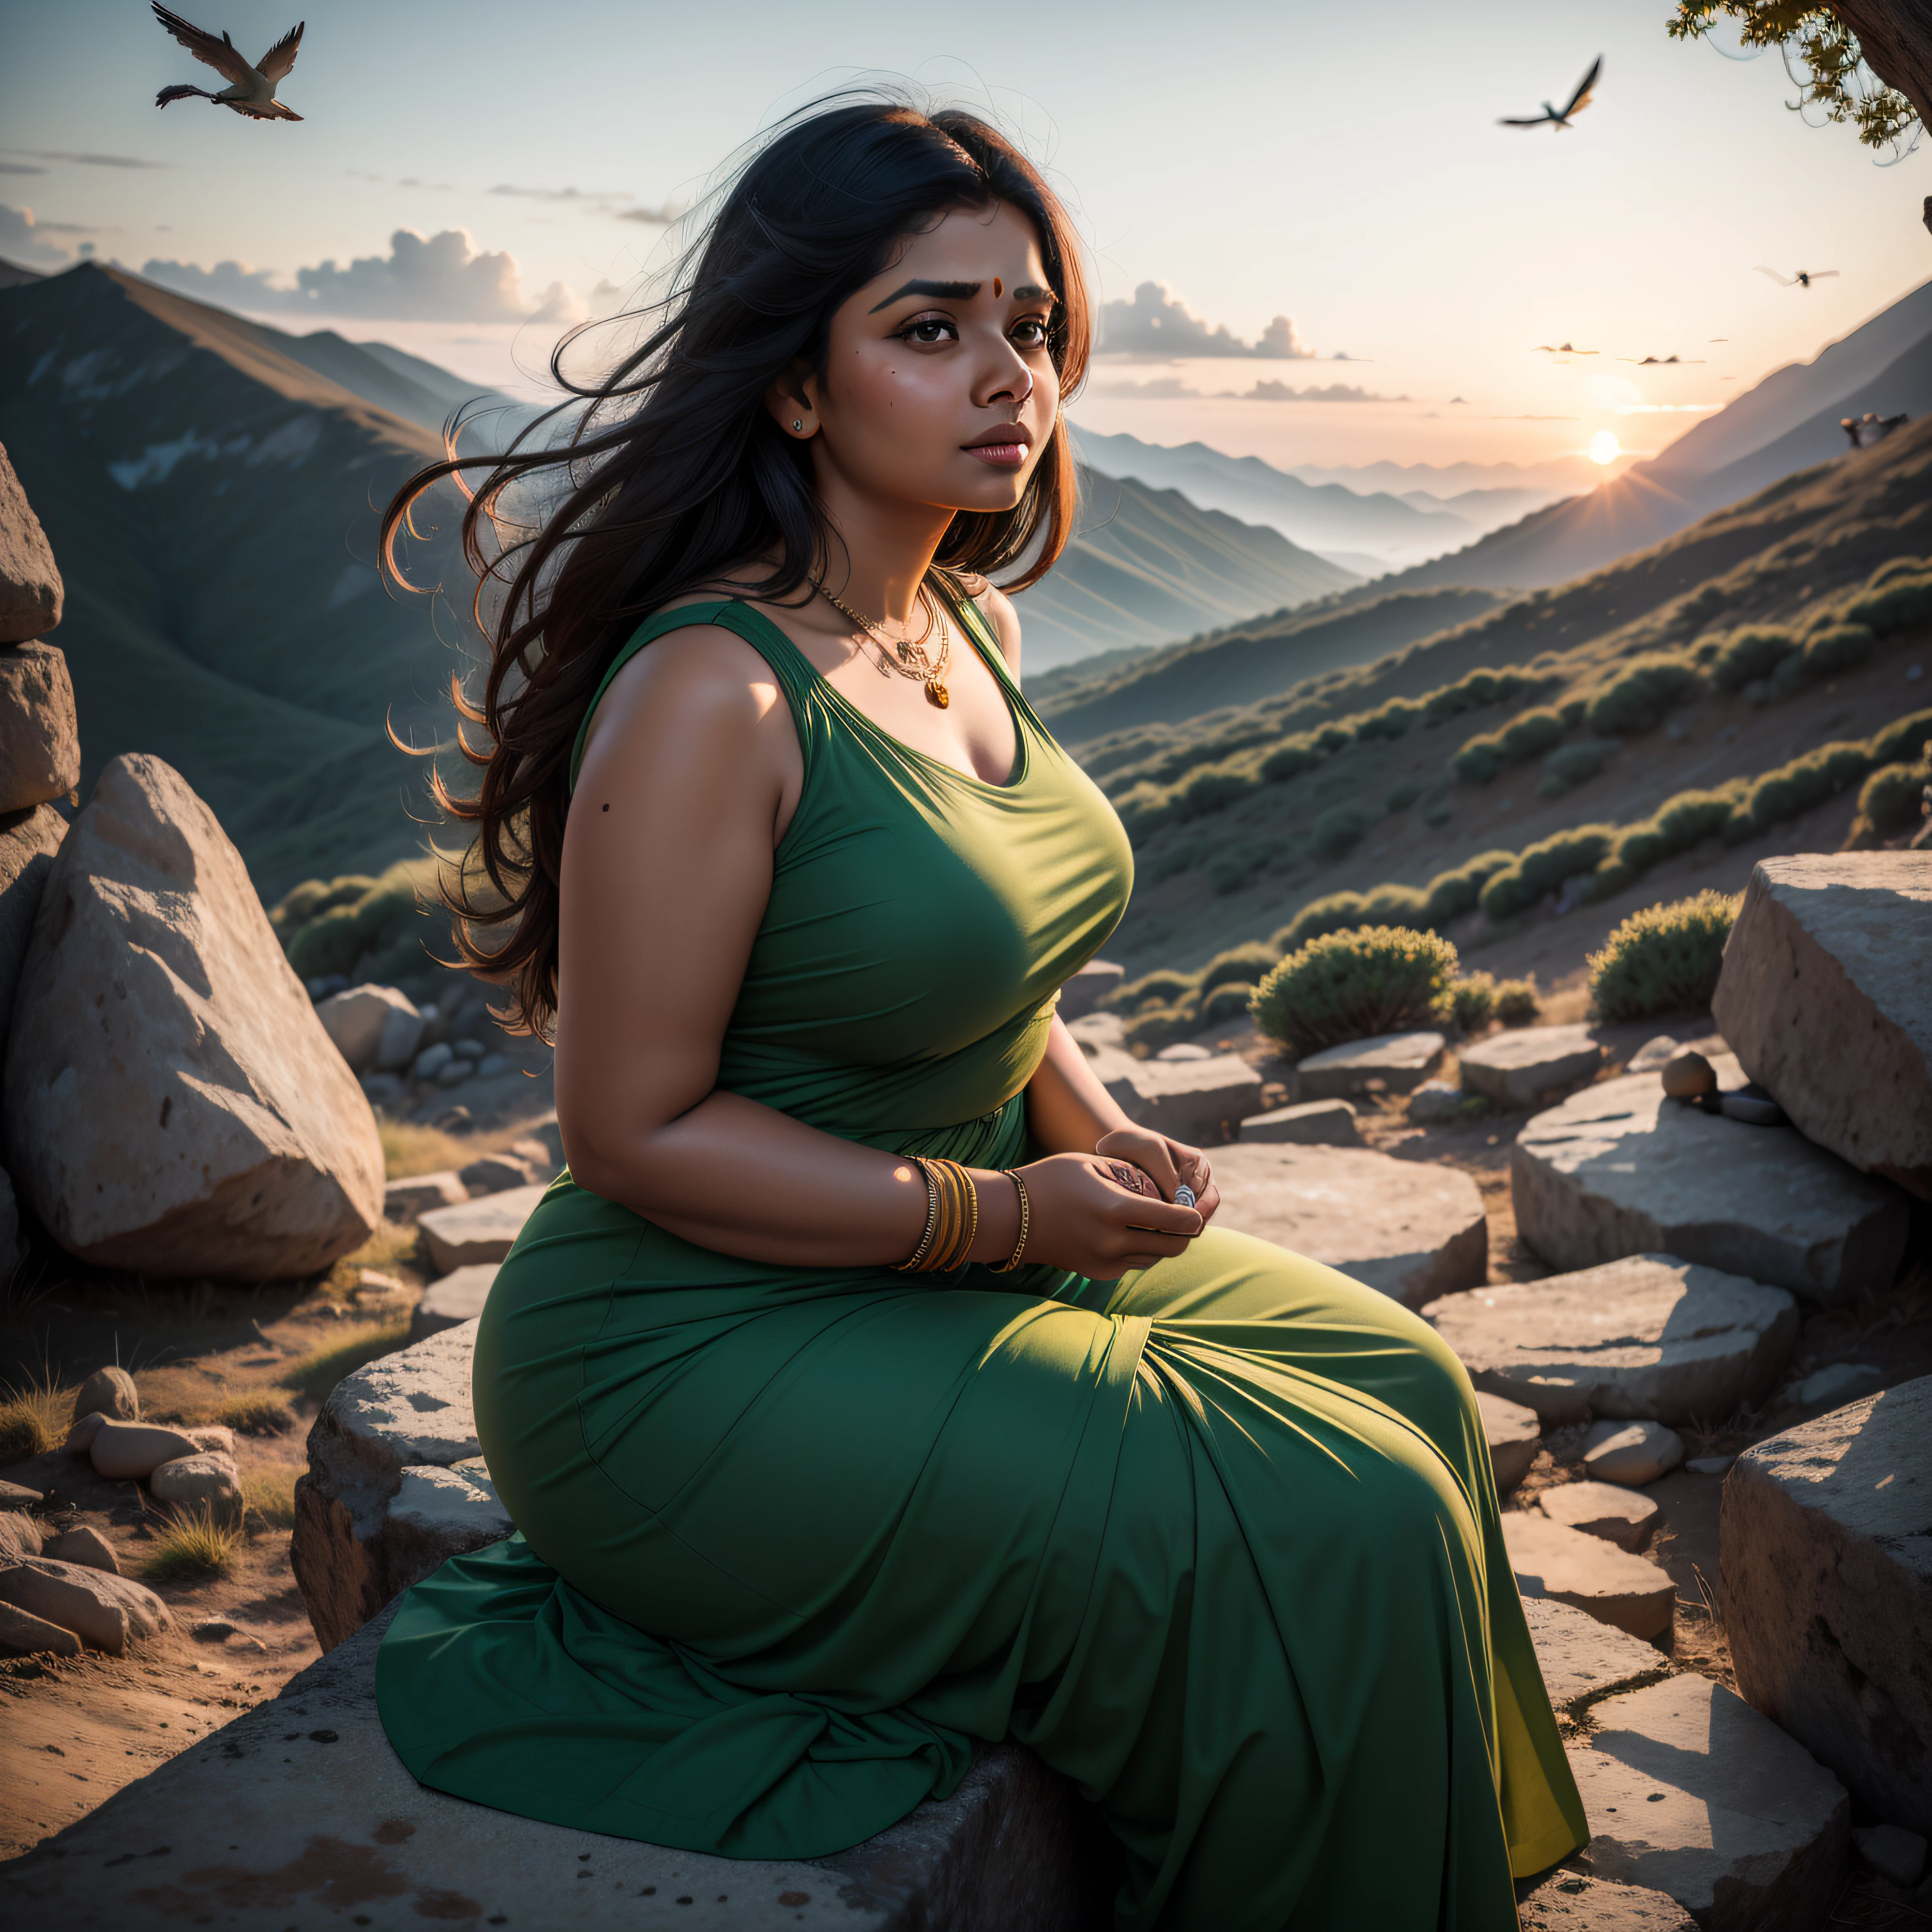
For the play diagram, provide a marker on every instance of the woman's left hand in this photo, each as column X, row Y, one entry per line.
column 1169, row 1164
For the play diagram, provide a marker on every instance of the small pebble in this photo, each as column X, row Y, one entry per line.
column 1710, row 1465
column 1688, row 1074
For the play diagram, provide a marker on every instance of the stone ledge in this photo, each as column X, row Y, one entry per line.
column 300, row 1808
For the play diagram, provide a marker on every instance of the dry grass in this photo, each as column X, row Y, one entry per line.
column 314, row 1374
column 193, row 1546
column 34, row 1416
column 408, row 1149
column 270, row 1495
column 258, row 1414
column 391, row 1247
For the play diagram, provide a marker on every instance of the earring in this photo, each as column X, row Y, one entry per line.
column 798, row 422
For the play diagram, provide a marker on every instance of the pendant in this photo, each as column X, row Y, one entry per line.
column 937, row 694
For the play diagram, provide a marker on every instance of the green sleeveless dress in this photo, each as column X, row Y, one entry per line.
column 1219, row 1540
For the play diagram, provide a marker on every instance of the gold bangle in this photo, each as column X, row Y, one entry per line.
column 1012, row 1261
column 960, row 1218
column 913, row 1264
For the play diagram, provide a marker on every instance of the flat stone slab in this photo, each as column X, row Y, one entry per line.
column 1391, row 1063
column 1411, row 1230
column 418, row 1194
column 1567, row 1900
column 1619, row 1515
column 478, row 1231
column 1648, row 1336
column 1632, row 1452
column 457, row 1298
column 396, row 1483
column 1825, row 1541
column 1201, row 1101
column 1621, row 1169
column 1309, row 1123
column 1080, row 995
column 1690, row 1792
column 1583, row 1660
column 1823, row 998
column 1550, row 1560
column 1517, row 1067
column 1513, row 1434
column 299, row 1812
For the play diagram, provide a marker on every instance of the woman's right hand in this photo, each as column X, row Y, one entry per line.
column 1082, row 1219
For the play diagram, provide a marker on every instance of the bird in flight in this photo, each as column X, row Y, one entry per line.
column 1645, row 361
column 1552, row 117
column 1561, row 349
column 251, row 90
column 1803, row 279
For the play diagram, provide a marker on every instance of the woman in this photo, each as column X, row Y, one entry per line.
column 870, row 1384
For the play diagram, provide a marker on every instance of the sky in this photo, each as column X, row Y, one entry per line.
column 1320, row 193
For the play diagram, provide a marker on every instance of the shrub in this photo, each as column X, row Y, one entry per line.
column 1483, row 756
column 1289, row 760
column 1244, row 963
column 1212, row 788
column 1541, row 868
column 1838, row 648
column 1678, row 824
column 1391, row 720
column 1890, row 801
column 193, row 1546
column 1797, row 786
column 1336, row 831
column 1401, row 799
column 1386, row 905
column 1472, row 1000
column 1157, row 989
column 1570, row 765
column 1232, row 1000
column 1663, row 959
column 1350, row 986
column 1516, row 1002
column 1903, row 738
column 34, row 1416
column 1458, row 891
column 1753, row 651
column 1893, row 603
column 1156, row 1026
column 1642, row 691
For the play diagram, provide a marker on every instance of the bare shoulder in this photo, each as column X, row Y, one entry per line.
column 997, row 609
column 701, row 683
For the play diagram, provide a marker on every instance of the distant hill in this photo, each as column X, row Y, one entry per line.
column 1148, row 565
column 1788, row 422
column 1250, row 661
column 212, row 500
column 1316, row 516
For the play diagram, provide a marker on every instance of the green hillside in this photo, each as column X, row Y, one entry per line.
column 213, row 504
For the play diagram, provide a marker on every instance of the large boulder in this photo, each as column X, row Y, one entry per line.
column 396, row 1483
column 1824, row 998
column 1412, row 1230
column 40, row 737
column 373, row 1026
column 30, row 584
column 299, row 1812
column 1621, row 1169
column 1689, row 1791
column 1390, row 1063
column 1650, row 1336
column 1517, row 1067
column 28, row 841
column 1826, row 1547
column 171, row 1103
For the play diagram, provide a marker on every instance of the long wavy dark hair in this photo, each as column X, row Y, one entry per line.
column 672, row 475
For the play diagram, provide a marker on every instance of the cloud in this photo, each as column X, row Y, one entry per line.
column 91, row 160
column 1267, row 391
column 657, row 218
column 20, row 168
column 1157, row 323
column 557, row 193
column 1161, row 388
column 20, row 240
column 436, row 278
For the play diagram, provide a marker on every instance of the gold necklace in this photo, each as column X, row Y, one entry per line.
column 907, row 655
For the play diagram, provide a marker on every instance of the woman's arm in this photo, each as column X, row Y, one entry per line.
column 690, row 774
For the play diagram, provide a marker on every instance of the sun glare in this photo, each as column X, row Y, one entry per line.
column 1604, row 447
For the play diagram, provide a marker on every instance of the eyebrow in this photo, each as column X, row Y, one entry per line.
column 956, row 292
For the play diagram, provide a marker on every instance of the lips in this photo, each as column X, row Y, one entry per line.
column 1006, row 444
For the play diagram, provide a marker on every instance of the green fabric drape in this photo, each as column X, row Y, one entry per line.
column 1219, row 1540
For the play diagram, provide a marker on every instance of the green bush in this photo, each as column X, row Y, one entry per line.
column 1840, row 647
column 1569, row 765
column 1391, row 720
column 1680, row 823
column 1244, row 964
column 1893, row 603
column 1401, row 799
column 1459, row 890
column 1797, row 786
column 1289, row 760
column 1385, row 905
column 1162, row 1026
column 1472, row 1000
column 1516, row 1002
column 1542, row 867
column 1483, row 756
column 1351, row 986
column 1902, row 738
column 1160, row 987
column 1231, row 1000
column 1213, row 788
column 1642, row 691
column 1336, row 831
column 1890, row 801
column 1751, row 651
column 1663, row 959
column 367, row 929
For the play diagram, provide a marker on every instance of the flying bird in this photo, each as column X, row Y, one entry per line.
column 1803, row 279
column 1552, row 117
column 251, row 90
column 1562, row 349
column 1645, row 361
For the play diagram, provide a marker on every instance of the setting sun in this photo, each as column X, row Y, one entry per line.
column 1604, row 447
